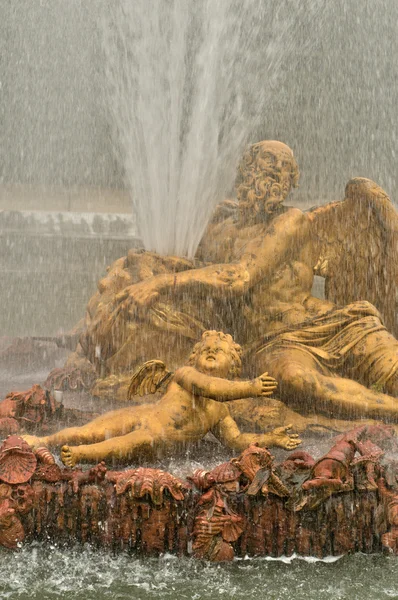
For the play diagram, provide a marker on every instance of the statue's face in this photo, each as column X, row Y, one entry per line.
column 276, row 159
column 265, row 177
column 215, row 357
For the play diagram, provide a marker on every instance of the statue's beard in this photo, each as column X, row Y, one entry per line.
column 263, row 199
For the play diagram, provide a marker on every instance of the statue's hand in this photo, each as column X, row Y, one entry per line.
column 234, row 278
column 138, row 296
column 283, row 439
column 264, row 385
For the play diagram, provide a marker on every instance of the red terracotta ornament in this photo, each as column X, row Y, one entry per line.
column 17, row 461
column 44, row 456
column 11, row 529
column 153, row 482
column 243, row 507
column 8, row 426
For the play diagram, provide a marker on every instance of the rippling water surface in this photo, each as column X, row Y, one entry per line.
column 43, row 573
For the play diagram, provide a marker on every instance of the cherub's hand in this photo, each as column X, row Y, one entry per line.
column 283, row 439
column 264, row 385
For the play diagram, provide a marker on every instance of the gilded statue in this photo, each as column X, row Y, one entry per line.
column 252, row 278
column 193, row 405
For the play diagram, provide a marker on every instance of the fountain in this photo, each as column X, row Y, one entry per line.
column 329, row 361
column 227, row 283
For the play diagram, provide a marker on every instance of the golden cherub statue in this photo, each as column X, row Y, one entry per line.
column 193, row 405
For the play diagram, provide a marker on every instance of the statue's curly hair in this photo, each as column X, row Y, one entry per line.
column 255, row 180
column 236, row 351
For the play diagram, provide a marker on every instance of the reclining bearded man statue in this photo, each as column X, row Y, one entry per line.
column 253, row 279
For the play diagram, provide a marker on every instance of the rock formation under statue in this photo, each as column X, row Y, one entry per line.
column 336, row 358
column 344, row 502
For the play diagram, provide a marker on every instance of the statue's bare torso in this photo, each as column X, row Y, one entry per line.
column 283, row 298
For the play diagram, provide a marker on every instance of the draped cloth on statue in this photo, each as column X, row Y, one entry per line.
column 349, row 341
column 166, row 318
column 166, row 331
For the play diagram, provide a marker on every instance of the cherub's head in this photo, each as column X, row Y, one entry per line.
column 265, row 176
column 217, row 354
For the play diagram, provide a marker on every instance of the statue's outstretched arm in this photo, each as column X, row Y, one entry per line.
column 220, row 389
column 261, row 257
column 229, row 434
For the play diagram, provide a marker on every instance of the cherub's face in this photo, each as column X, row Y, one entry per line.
column 215, row 357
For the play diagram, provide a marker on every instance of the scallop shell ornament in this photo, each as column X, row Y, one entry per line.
column 17, row 461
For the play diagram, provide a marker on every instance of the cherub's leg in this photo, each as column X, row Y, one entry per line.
column 116, row 422
column 306, row 386
column 139, row 443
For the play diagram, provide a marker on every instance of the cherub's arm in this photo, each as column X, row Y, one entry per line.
column 220, row 389
column 229, row 434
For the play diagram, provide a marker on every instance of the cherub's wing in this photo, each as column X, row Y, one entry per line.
column 148, row 378
column 357, row 245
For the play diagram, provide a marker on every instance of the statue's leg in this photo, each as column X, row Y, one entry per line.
column 135, row 445
column 374, row 362
column 110, row 424
column 308, row 386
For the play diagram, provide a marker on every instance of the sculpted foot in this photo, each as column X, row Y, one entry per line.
column 67, row 456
